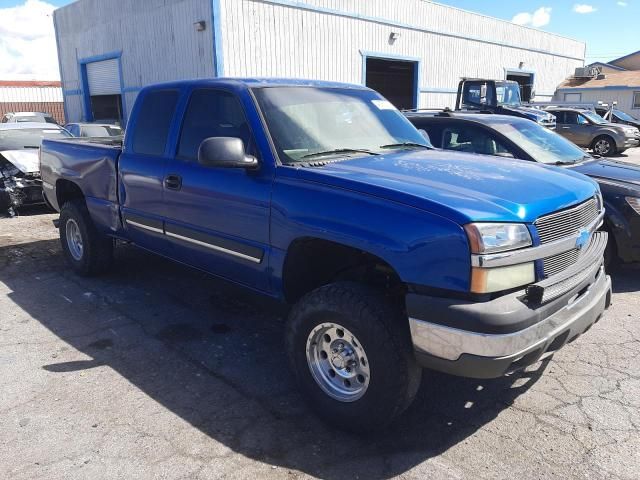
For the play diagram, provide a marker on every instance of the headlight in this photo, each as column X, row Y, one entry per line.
column 634, row 202
column 487, row 280
column 497, row 237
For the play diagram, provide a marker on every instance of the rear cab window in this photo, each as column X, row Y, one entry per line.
column 154, row 122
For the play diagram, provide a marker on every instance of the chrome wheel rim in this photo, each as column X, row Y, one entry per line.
column 602, row 147
column 74, row 239
column 338, row 362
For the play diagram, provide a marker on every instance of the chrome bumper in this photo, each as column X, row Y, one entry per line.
column 572, row 320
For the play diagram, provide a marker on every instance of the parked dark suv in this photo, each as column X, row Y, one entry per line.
column 618, row 116
column 518, row 138
column 587, row 129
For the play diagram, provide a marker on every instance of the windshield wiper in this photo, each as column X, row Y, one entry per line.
column 338, row 151
column 406, row 144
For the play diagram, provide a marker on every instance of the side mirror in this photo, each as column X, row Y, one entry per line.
column 225, row 152
column 483, row 93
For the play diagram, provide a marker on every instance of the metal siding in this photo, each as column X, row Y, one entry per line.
column 104, row 77
column 624, row 97
column 30, row 94
column 261, row 38
column 157, row 38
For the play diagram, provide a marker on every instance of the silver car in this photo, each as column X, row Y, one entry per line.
column 587, row 129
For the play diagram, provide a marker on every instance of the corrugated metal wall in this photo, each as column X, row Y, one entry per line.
column 158, row 40
column 276, row 38
column 323, row 39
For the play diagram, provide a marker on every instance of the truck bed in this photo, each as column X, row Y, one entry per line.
column 92, row 165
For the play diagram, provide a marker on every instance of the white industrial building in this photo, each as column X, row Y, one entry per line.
column 413, row 51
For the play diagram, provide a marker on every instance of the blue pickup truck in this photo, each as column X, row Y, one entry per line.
column 393, row 255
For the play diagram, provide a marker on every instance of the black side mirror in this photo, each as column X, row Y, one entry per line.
column 225, row 152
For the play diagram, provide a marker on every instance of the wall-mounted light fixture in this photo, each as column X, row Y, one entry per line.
column 521, row 65
column 200, row 26
column 393, row 36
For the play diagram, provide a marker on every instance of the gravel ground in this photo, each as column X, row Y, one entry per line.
column 158, row 371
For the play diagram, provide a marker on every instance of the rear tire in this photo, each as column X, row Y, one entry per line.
column 344, row 325
column 87, row 251
column 604, row 145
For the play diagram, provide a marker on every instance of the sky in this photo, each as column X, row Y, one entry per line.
column 609, row 28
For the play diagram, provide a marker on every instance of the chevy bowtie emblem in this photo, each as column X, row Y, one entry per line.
column 583, row 239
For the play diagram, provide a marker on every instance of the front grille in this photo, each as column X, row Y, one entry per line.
column 560, row 262
column 566, row 222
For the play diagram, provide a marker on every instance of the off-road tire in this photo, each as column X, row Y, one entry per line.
column 382, row 329
column 97, row 249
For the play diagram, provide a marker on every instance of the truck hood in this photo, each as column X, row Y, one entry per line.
column 27, row 161
column 609, row 170
column 461, row 187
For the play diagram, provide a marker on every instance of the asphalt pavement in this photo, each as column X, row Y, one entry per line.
column 155, row 370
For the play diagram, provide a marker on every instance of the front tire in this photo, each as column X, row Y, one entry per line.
column 604, row 146
column 351, row 355
column 87, row 251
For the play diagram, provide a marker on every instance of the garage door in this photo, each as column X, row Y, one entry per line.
column 104, row 77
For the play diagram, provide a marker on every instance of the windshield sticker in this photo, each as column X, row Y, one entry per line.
column 383, row 104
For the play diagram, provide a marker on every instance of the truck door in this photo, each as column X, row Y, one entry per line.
column 217, row 219
column 141, row 167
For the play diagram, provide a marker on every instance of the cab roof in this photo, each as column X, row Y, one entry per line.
column 256, row 82
column 484, row 118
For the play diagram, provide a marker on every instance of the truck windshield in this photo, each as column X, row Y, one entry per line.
column 508, row 93
column 540, row 143
column 21, row 138
column 316, row 122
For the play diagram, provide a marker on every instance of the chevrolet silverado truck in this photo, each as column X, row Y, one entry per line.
column 498, row 96
column 393, row 255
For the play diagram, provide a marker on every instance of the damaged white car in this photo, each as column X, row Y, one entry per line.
column 20, row 182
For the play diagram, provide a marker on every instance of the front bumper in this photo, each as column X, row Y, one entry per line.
column 631, row 142
column 489, row 339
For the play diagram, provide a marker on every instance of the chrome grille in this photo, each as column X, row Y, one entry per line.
column 560, row 262
column 566, row 222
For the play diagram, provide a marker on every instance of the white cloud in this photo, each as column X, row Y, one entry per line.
column 622, row 4
column 27, row 42
column 583, row 8
column 539, row 18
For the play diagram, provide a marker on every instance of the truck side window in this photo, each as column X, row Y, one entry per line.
column 212, row 113
column 154, row 121
column 560, row 118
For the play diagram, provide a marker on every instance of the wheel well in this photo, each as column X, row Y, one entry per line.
column 311, row 263
column 66, row 190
